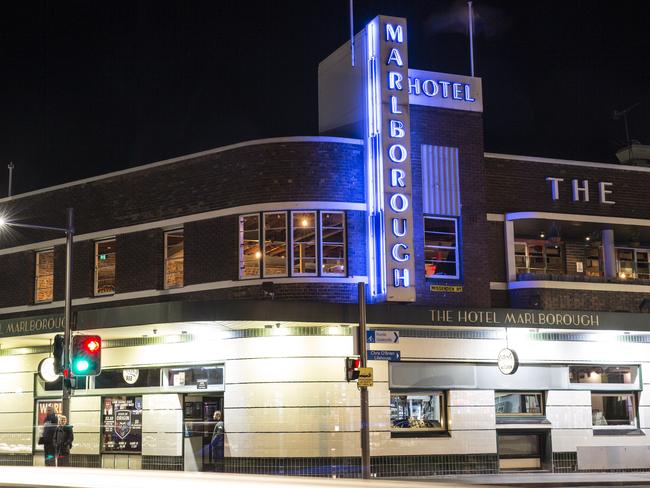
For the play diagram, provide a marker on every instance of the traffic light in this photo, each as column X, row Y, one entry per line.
column 352, row 368
column 86, row 355
column 57, row 353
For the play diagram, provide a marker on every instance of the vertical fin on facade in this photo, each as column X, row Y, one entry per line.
column 440, row 181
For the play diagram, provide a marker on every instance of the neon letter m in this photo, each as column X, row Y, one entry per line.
column 395, row 34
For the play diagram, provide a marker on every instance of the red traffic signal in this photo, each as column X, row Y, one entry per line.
column 86, row 357
column 352, row 368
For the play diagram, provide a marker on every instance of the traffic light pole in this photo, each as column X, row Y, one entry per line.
column 363, row 355
column 67, row 387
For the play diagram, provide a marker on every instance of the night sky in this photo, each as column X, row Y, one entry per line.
column 92, row 87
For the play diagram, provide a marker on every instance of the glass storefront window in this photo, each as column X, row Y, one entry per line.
column 515, row 403
column 249, row 246
column 441, row 248
column 200, row 377
column 417, row 412
column 105, row 267
column 128, row 378
column 613, row 409
column 625, row 375
column 174, row 258
column 44, row 276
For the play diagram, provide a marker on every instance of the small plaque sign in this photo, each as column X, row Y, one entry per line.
column 446, row 288
column 365, row 377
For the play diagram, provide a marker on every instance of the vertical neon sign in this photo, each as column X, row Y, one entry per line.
column 390, row 211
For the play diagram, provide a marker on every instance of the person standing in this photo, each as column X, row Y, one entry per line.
column 47, row 437
column 217, row 443
column 63, row 437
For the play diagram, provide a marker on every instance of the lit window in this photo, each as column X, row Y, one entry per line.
column 633, row 263
column 613, row 409
column 44, row 282
column 441, row 248
column 535, row 256
column 249, row 246
column 303, row 243
column 333, row 243
column 105, row 267
column 174, row 257
column 625, row 375
column 417, row 412
column 275, row 244
column 510, row 403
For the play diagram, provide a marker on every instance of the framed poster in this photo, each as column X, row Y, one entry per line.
column 41, row 413
column 122, row 424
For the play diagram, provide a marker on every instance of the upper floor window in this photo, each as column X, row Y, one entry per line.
column 517, row 403
column 174, row 258
column 333, row 243
column 249, row 246
column 539, row 257
column 275, row 244
column 44, row 276
column 303, row 243
column 105, row 267
column 633, row 263
column 441, row 259
column 625, row 375
column 613, row 409
column 315, row 241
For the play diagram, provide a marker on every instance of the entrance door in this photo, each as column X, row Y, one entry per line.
column 521, row 451
column 199, row 426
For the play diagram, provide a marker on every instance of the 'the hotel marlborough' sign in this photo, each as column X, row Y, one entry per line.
column 31, row 325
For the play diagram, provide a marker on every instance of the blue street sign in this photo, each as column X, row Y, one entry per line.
column 387, row 336
column 384, row 355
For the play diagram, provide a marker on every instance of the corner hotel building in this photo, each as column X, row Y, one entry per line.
column 227, row 280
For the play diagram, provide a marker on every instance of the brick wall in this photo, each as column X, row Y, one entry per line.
column 463, row 130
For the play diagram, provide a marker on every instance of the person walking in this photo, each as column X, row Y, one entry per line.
column 63, row 437
column 217, row 443
column 47, row 437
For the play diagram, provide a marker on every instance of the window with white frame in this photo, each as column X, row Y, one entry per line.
column 250, row 255
column 44, row 276
column 303, row 243
column 315, row 240
column 633, row 263
column 105, row 267
column 275, row 244
column 441, row 259
column 333, row 243
column 518, row 403
column 174, row 258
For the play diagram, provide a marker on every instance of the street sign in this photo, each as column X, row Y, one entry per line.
column 389, row 336
column 384, row 355
column 365, row 377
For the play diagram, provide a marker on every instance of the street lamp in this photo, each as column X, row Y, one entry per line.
column 69, row 235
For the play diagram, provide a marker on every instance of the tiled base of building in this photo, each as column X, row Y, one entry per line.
column 163, row 463
column 16, row 460
column 565, row 462
column 381, row 466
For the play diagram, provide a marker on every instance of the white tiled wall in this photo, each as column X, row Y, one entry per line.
column 162, row 425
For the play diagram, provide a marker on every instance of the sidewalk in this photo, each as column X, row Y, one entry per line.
column 530, row 480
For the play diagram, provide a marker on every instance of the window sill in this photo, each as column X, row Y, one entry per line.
column 521, row 419
column 623, row 432
column 414, row 433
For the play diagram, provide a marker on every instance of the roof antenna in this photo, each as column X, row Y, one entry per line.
column 352, row 31
column 10, row 167
column 470, row 20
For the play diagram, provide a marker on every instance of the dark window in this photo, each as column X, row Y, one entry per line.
column 194, row 375
column 613, row 409
column 603, row 374
column 117, row 378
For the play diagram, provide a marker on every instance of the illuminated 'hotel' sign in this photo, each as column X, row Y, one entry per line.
column 389, row 161
column 444, row 90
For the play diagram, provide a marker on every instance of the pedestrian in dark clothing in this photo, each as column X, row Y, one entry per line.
column 63, row 437
column 217, row 443
column 47, row 437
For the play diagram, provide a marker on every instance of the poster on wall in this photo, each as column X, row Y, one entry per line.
column 122, row 424
column 41, row 413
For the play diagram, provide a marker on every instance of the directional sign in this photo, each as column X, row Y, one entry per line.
column 384, row 355
column 390, row 336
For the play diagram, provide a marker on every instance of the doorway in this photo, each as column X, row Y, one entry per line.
column 198, row 427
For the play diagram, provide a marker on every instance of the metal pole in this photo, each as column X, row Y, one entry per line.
column 352, row 31
column 67, row 390
column 10, row 167
column 363, row 355
column 471, row 37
